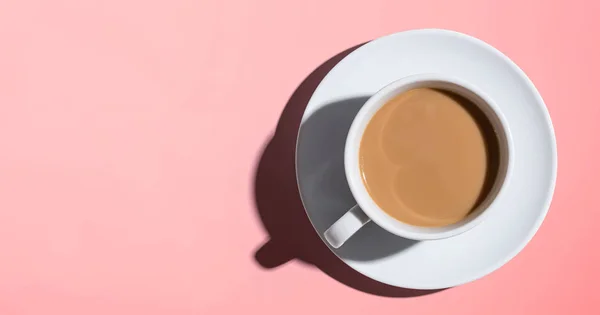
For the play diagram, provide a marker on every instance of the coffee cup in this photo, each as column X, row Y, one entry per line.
column 367, row 209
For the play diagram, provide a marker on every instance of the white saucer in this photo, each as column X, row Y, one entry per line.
column 387, row 258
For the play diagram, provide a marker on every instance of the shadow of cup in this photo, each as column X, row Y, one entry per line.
column 326, row 194
column 321, row 170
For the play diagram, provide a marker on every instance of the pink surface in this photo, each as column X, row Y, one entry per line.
column 130, row 133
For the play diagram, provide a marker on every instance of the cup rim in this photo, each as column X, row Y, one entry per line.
column 352, row 169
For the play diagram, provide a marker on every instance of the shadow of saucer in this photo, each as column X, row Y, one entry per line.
column 320, row 165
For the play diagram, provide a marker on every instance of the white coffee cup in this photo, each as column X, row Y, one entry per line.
column 366, row 208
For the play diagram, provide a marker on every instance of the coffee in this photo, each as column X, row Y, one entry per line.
column 429, row 157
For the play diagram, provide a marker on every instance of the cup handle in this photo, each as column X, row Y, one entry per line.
column 337, row 234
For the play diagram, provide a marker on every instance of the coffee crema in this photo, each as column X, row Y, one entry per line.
column 429, row 157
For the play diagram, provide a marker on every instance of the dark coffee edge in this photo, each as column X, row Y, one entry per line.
column 491, row 142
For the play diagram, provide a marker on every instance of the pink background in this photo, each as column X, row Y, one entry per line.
column 130, row 133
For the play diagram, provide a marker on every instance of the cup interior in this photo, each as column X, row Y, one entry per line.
column 498, row 131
